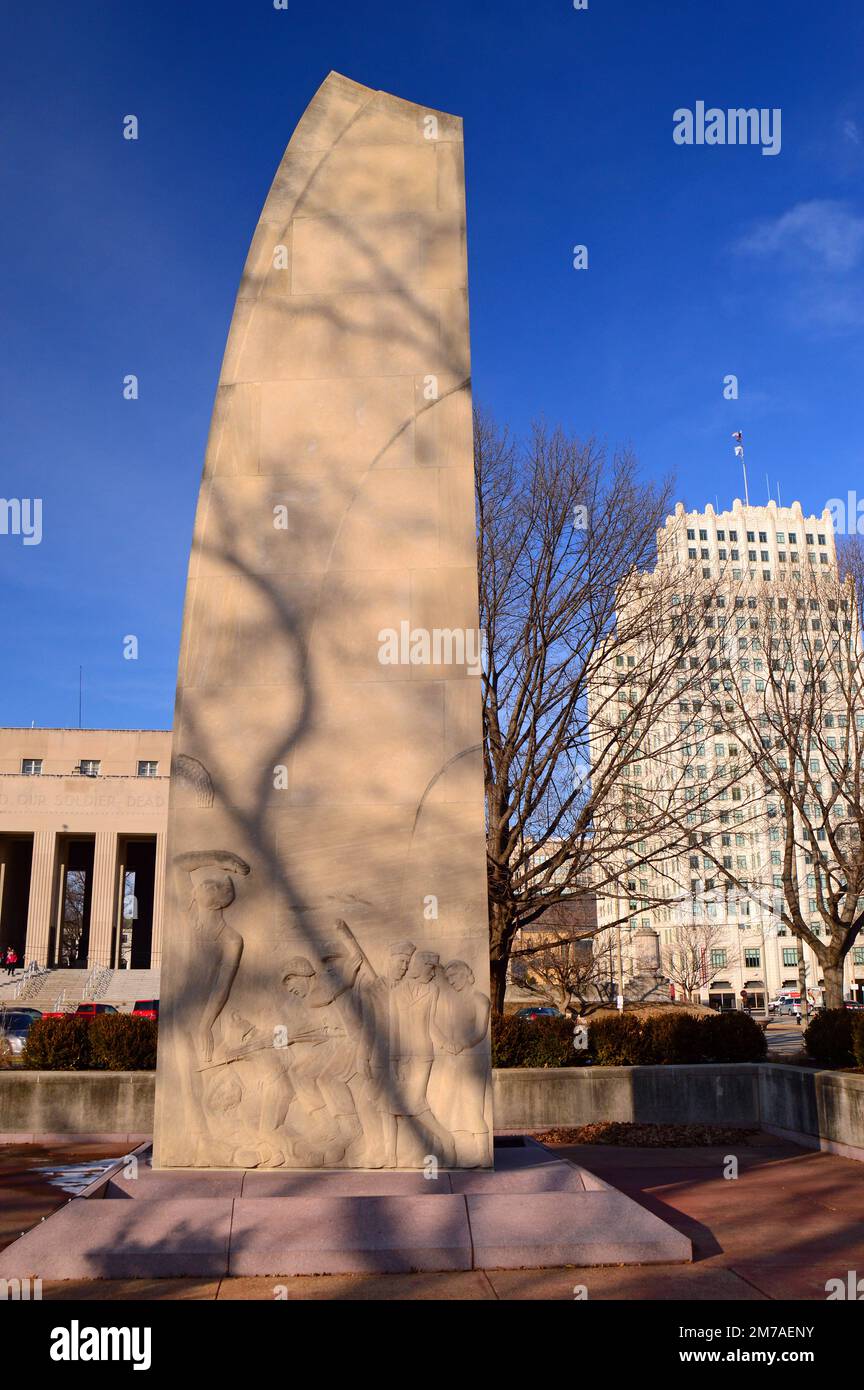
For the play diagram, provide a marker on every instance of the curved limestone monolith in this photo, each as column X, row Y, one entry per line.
column 325, row 978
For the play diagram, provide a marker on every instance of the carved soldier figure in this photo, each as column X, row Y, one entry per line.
column 460, row 1025
column 373, row 1055
column 412, row 1005
column 213, row 952
column 218, row 947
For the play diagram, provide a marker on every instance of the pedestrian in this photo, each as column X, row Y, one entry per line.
column 11, row 960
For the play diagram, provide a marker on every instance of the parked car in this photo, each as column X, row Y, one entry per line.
column 83, row 1011
column 539, row 1012
column 146, row 1008
column 15, row 1024
column 7, row 1009
column 788, row 1007
column 91, row 1010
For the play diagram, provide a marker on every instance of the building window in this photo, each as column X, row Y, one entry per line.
column 858, row 955
column 752, row 957
column 89, row 767
column 718, row 959
column 790, row 955
column 31, row 767
column 148, row 769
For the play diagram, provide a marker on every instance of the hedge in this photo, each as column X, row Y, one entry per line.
column 627, row 1040
column 58, row 1044
column 119, row 1042
column 545, row 1042
column 830, row 1038
column 620, row 1041
column 732, row 1037
column 108, row 1042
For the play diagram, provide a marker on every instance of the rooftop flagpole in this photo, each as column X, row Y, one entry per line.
column 739, row 453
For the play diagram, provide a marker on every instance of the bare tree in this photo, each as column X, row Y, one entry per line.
column 566, row 534
column 564, row 967
column 690, row 959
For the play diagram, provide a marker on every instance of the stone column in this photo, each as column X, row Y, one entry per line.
column 158, row 904
column 3, row 858
column 103, row 900
column 39, row 913
column 329, row 812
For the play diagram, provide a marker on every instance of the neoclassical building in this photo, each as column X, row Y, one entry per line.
column 83, row 817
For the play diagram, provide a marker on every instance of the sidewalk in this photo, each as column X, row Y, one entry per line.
column 790, row 1221
column 26, row 1194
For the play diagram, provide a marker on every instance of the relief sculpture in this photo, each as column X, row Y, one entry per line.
column 340, row 1071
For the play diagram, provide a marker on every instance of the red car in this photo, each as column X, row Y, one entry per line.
column 83, row 1011
column 146, row 1008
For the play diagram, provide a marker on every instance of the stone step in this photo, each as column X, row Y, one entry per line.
column 172, row 1236
column 122, row 990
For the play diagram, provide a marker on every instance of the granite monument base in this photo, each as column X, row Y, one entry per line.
column 534, row 1211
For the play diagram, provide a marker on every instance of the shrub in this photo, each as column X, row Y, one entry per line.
column 828, row 1038
column 619, row 1040
column 858, row 1039
column 108, row 1042
column 119, row 1042
column 541, row 1042
column 732, row 1037
column 58, row 1044
column 674, row 1037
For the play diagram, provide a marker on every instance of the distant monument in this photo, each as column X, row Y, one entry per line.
column 325, row 981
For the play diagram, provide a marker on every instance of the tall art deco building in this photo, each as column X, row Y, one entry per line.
column 754, row 593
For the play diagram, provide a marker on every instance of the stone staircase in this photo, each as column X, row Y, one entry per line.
column 66, row 989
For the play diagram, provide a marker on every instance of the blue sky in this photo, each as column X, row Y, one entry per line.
column 122, row 256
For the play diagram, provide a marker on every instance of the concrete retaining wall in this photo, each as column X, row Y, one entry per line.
column 824, row 1106
column 43, row 1106
column 536, row 1097
column 825, row 1109
column 822, row 1109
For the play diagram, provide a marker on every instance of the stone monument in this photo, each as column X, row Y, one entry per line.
column 325, row 979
